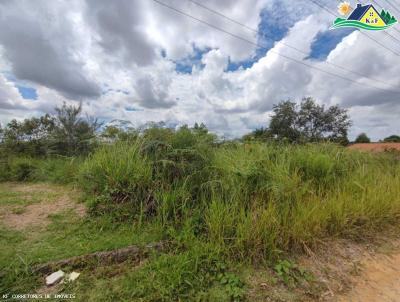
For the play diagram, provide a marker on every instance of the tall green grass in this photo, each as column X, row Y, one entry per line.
column 250, row 201
column 61, row 170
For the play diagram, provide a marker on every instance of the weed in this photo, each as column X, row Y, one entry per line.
column 291, row 273
column 233, row 285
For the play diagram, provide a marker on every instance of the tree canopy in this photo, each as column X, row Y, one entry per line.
column 65, row 133
column 308, row 122
column 392, row 139
column 362, row 139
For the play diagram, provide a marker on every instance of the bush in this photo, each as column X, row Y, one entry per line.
column 266, row 199
column 392, row 139
column 249, row 201
column 362, row 139
column 62, row 170
column 57, row 170
column 119, row 177
column 23, row 170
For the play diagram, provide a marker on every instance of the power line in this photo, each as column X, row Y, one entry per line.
column 394, row 28
column 388, row 34
column 361, row 32
column 223, row 16
column 395, row 1
column 271, row 50
column 393, row 6
column 285, row 44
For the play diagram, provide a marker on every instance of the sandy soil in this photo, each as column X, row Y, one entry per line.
column 376, row 147
column 379, row 281
column 36, row 214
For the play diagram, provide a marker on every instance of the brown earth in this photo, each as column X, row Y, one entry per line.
column 51, row 201
column 378, row 282
column 355, row 272
column 376, row 147
column 343, row 270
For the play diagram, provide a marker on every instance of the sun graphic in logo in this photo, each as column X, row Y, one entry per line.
column 344, row 8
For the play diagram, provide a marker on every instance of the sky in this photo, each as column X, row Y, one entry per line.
column 139, row 61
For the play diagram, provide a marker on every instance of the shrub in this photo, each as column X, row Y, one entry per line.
column 22, row 169
column 249, row 201
column 58, row 170
column 61, row 170
column 120, row 177
column 362, row 139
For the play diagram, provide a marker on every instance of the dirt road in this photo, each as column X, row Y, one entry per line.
column 379, row 281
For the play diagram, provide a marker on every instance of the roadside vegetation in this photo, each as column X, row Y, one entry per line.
column 223, row 208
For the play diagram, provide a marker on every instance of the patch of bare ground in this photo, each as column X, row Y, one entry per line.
column 376, row 147
column 343, row 271
column 51, row 200
column 379, row 280
column 34, row 188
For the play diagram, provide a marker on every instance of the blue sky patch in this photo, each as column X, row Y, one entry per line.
column 186, row 65
column 131, row 109
column 27, row 93
column 272, row 28
column 327, row 41
column 232, row 66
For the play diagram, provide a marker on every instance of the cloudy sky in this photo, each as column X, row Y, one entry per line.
column 137, row 60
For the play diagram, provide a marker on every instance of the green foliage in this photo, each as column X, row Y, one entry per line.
column 392, row 139
column 215, row 204
column 112, row 134
column 251, row 201
column 291, row 273
column 283, row 123
column 146, row 176
column 309, row 122
column 233, row 285
column 63, row 134
column 362, row 139
column 23, row 170
column 52, row 169
column 120, row 179
column 72, row 135
column 29, row 137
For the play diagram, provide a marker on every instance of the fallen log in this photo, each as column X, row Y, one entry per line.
column 131, row 253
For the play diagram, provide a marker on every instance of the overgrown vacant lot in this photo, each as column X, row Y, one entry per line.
column 236, row 220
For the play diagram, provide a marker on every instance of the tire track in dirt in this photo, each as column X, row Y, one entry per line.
column 379, row 280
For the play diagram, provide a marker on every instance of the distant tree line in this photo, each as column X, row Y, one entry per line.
column 65, row 133
column 364, row 139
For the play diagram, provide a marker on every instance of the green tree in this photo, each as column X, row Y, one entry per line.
column 362, row 139
column 309, row 122
column 111, row 132
column 283, row 125
column 29, row 136
column 259, row 134
column 73, row 135
column 392, row 139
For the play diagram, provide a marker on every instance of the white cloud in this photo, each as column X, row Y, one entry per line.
column 9, row 95
column 109, row 55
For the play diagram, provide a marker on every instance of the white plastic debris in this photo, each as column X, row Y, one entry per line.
column 54, row 277
column 72, row 276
